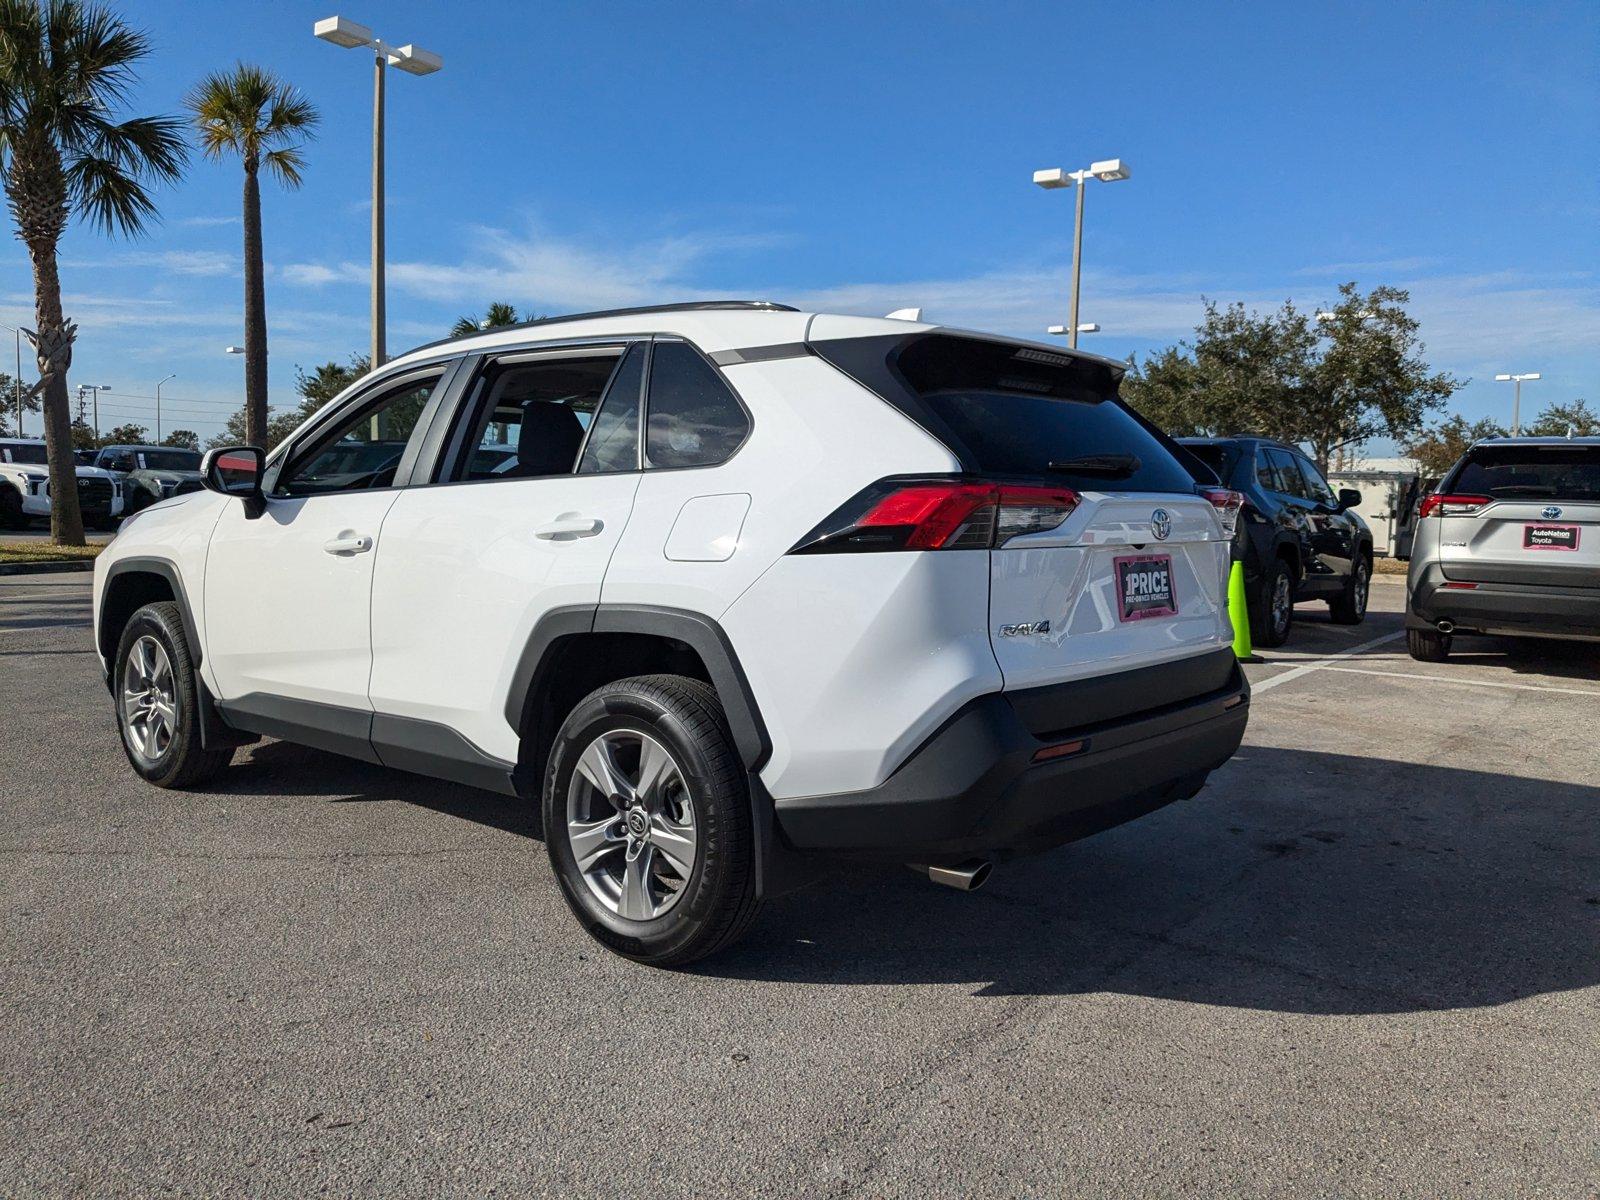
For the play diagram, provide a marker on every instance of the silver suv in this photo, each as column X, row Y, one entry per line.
column 1508, row 544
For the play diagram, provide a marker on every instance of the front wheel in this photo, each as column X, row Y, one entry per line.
column 11, row 514
column 1349, row 607
column 647, row 820
column 158, row 707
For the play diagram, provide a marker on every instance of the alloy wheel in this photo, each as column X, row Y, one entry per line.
column 149, row 700
column 1282, row 603
column 1362, row 583
column 631, row 824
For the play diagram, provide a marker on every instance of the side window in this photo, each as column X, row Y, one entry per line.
column 530, row 412
column 363, row 450
column 613, row 443
column 120, row 460
column 1266, row 476
column 1289, row 481
column 694, row 420
column 1316, row 486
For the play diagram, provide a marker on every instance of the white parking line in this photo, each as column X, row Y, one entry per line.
column 1319, row 663
column 1471, row 683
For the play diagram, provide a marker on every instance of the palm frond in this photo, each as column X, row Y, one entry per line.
column 109, row 197
column 285, row 165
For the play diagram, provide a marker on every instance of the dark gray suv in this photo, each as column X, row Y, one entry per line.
column 1508, row 544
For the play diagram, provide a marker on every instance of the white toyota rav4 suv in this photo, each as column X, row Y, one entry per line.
column 724, row 586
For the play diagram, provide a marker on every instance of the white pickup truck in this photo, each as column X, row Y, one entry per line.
column 25, row 487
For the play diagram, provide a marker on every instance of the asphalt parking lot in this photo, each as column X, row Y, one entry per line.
column 1364, row 961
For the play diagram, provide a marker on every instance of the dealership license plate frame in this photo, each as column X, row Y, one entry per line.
column 1140, row 608
column 1532, row 528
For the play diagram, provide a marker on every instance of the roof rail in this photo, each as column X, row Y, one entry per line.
column 689, row 306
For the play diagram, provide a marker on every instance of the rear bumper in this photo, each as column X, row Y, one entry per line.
column 1502, row 608
column 974, row 790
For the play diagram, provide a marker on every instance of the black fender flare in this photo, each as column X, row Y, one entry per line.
column 149, row 565
column 701, row 633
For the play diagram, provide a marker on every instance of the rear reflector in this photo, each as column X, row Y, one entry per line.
column 1061, row 750
column 1227, row 502
column 1438, row 505
column 937, row 513
column 1461, row 587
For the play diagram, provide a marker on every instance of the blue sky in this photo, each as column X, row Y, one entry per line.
column 864, row 157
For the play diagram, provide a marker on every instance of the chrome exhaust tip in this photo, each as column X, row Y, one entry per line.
column 965, row 877
column 1445, row 626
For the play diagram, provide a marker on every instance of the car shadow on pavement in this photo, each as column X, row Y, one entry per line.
column 1297, row 882
column 1549, row 657
column 284, row 769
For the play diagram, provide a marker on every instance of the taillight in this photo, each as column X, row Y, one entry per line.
column 1227, row 502
column 1438, row 505
column 938, row 514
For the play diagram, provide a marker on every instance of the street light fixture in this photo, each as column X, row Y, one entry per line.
column 414, row 61
column 96, row 388
column 233, row 350
column 1059, row 330
column 1516, row 402
column 1110, row 170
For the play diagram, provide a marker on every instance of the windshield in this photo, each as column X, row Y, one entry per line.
column 25, row 453
column 1533, row 472
column 169, row 460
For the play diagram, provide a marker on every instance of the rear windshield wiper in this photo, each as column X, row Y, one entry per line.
column 1113, row 466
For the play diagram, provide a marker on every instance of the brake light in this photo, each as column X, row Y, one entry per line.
column 1438, row 505
column 938, row 514
column 1227, row 502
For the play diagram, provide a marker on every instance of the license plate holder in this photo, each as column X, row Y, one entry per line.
column 1144, row 587
column 1550, row 537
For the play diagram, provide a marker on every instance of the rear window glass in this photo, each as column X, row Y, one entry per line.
column 1220, row 458
column 1510, row 472
column 25, row 454
column 1014, row 410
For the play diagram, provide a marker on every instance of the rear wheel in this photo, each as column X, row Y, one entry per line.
column 647, row 820
column 158, row 707
column 1349, row 607
column 1428, row 645
column 1269, row 621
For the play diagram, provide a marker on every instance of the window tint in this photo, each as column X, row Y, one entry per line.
column 118, row 460
column 1316, row 486
column 26, row 453
column 1266, row 475
column 1219, row 457
column 364, row 450
column 1288, row 475
column 694, row 420
column 169, row 460
column 1535, row 472
column 530, row 417
column 614, row 437
column 1015, row 410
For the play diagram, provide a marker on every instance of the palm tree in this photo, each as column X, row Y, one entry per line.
column 65, row 67
column 498, row 316
column 250, row 112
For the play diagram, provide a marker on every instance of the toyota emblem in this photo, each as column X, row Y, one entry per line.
column 1161, row 524
column 1551, row 513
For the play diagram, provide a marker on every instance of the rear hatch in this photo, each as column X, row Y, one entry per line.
column 1105, row 557
column 1522, row 513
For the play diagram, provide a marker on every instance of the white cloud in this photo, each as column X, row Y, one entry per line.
column 178, row 262
column 205, row 222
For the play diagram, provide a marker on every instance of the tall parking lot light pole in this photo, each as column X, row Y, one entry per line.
column 168, row 379
column 1109, row 170
column 1516, row 397
column 18, row 380
column 408, row 58
column 96, row 388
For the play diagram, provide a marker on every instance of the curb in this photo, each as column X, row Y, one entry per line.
column 47, row 568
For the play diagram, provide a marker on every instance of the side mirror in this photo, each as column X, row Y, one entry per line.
column 236, row 471
column 1349, row 498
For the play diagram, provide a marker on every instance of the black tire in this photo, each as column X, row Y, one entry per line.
column 1270, row 620
column 715, row 903
column 181, row 761
column 1428, row 645
column 11, row 514
column 1349, row 607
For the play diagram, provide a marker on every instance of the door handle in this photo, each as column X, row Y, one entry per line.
column 567, row 527
column 347, row 545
